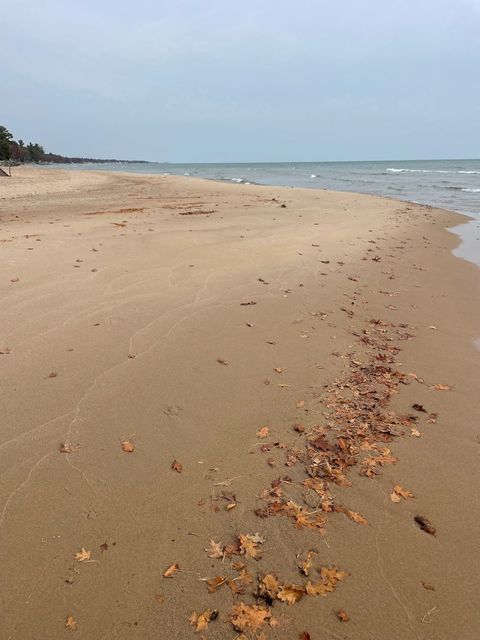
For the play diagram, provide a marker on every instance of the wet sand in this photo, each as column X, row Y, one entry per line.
column 178, row 318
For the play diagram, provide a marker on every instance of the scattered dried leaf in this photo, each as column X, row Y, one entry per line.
column 399, row 492
column 425, row 525
column 171, row 571
column 249, row 545
column 342, row 615
column 70, row 623
column 177, row 466
column 128, row 446
column 83, row 555
column 263, row 432
column 245, row 617
column 200, row 620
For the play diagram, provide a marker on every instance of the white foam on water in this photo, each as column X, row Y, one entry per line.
column 396, row 170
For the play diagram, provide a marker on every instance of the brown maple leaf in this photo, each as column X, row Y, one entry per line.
column 318, row 588
column 306, row 562
column 291, row 593
column 214, row 583
column 268, row 587
column 70, row 623
column 263, row 432
column 342, row 615
column 356, row 517
column 399, row 492
column 249, row 545
column 127, row 446
column 245, row 617
column 331, row 575
column 177, row 466
column 171, row 570
column 200, row 620
column 215, row 549
column 83, row 555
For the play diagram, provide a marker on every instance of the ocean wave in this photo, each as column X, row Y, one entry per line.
column 471, row 190
column 395, row 170
column 313, row 176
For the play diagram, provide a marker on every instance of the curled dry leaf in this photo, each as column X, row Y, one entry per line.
column 415, row 432
column 304, row 636
column 442, row 387
column 427, row 586
column 200, row 620
column 300, row 404
column 263, row 432
column 278, row 369
column 215, row 549
column 52, row 374
column 425, row 525
column 342, row 615
column 83, row 555
column 290, row 593
column 249, row 545
column 177, row 466
column 356, row 517
column 329, row 577
column 214, row 583
column 171, row 571
column 419, row 407
column 268, row 587
column 305, row 563
column 399, row 492
column 245, row 617
column 70, row 623
column 65, row 448
column 222, row 361
column 128, row 446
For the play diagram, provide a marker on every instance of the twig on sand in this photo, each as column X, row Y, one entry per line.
column 427, row 617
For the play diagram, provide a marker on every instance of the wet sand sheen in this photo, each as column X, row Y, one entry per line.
column 127, row 316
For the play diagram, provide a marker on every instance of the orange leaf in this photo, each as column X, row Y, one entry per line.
column 263, row 432
column 177, row 466
column 342, row 615
column 171, row 571
column 70, row 623
column 83, row 555
column 399, row 492
column 128, row 446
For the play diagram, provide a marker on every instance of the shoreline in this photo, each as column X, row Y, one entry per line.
column 185, row 316
column 470, row 253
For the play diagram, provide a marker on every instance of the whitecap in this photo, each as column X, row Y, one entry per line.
column 471, row 190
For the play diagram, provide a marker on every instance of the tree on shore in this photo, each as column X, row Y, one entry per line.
column 5, row 142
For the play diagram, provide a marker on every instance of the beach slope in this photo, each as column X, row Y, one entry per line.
column 267, row 394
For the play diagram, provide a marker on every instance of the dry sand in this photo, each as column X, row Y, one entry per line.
column 115, row 311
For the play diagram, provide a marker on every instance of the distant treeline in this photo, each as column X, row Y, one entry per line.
column 18, row 151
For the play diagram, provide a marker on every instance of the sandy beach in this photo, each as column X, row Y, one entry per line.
column 233, row 411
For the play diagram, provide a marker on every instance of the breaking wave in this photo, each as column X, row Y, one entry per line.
column 395, row 170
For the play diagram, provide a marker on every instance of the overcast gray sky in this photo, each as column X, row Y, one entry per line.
column 243, row 80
